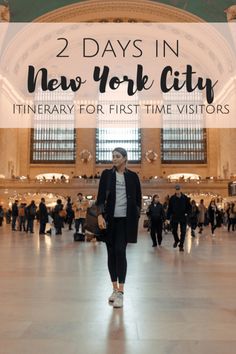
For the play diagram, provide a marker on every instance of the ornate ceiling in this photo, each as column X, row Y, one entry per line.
column 208, row 10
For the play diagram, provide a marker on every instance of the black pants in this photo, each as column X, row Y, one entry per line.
column 156, row 231
column 22, row 222
column 116, row 250
column 79, row 222
column 231, row 222
column 42, row 227
column 30, row 225
column 213, row 227
column 182, row 231
column 13, row 225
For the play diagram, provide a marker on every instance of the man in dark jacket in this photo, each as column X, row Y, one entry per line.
column 14, row 215
column 156, row 216
column 178, row 210
column 30, row 215
column 43, row 217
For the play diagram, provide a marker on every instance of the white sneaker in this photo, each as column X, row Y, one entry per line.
column 118, row 302
column 113, row 296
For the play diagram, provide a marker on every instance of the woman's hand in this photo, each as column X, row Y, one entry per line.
column 101, row 222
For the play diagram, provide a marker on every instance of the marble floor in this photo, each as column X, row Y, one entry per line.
column 53, row 296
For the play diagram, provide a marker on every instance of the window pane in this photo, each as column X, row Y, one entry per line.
column 53, row 137
column 118, row 128
column 186, row 142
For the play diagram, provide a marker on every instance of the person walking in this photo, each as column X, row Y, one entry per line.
column 70, row 213
column 213, row 213
column 43, row 217
column 193, row 217
column 178, row 211
column 119, row 198
column 156, row 216
column 201, row 216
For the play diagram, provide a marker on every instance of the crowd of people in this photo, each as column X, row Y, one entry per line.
column 118, row 211
column 180, row 211
column 162, row 217
column 22, row 217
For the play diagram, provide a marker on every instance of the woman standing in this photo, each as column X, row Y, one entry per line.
column 156, row 214
column 119, row 198
column 213, row 214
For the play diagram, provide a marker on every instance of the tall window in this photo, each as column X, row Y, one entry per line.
column 183, row 138
column 53, row 138
column 118, row 128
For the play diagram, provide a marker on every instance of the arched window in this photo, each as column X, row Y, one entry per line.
column 53, row 138
column 117, row 126
column 183, row 138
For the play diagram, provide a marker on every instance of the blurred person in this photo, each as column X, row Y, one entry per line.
column 202, row 215
column 178, row 211
column 156, row 216
column 22, row 216
column 80, row 208
column 14, row 214
column 193, row 217
column 30, row 216
column 43, row 217
column 213, row 213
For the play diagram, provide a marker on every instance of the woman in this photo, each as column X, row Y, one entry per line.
column 156, row 214
column 213, row 215
column 119, row 198
column 201, row 215
column 193, row 217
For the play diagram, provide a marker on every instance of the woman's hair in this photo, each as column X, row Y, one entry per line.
column 155, row 195
column 122, row 151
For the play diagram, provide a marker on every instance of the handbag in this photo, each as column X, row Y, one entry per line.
column 146, row 223
column 91, row 219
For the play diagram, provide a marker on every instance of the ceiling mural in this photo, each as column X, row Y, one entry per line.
column 28, row 10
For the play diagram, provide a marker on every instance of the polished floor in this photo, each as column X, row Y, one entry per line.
column 53, row 296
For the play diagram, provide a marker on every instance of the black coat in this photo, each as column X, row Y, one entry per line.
column 156, row 212
column 179, row 208
column 43, row 212
column 106, row 200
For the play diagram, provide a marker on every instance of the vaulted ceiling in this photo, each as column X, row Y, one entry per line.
column 208, row 10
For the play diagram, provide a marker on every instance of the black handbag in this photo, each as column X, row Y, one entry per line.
column 91, row 220
column 146, row 223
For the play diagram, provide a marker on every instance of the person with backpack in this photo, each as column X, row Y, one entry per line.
column 30, row 216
